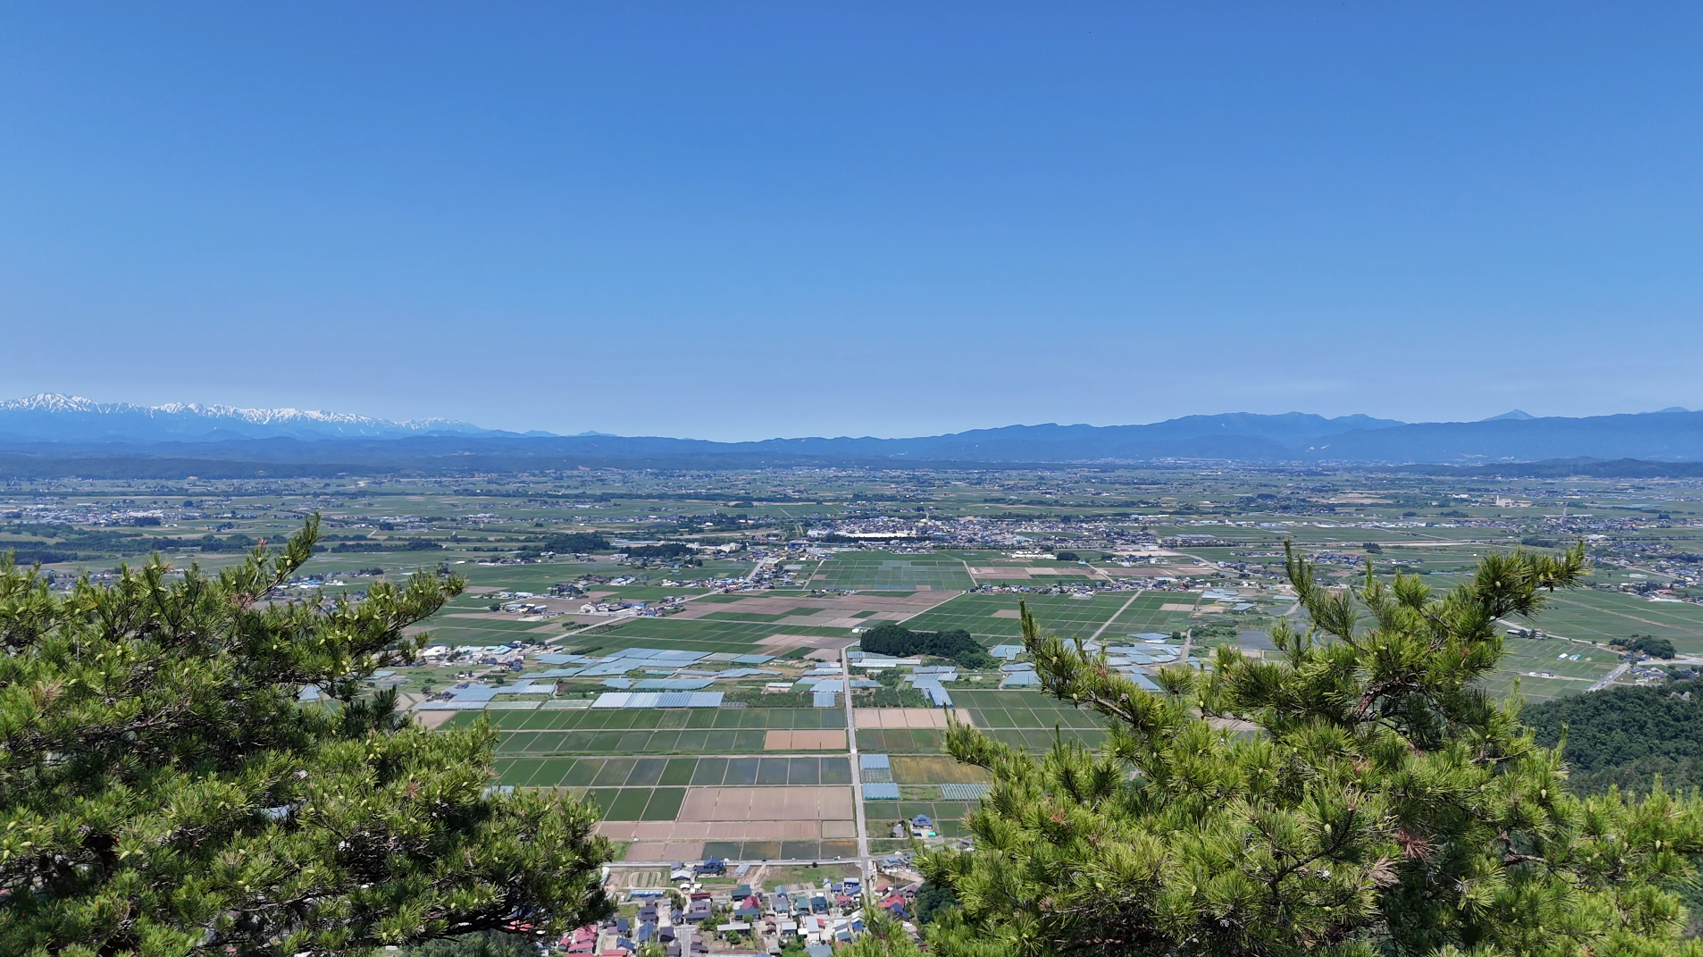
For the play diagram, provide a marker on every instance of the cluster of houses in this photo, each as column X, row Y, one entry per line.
column 511, row 656
column 744, row 920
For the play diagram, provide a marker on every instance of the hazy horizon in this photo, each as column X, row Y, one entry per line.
column 752, row 438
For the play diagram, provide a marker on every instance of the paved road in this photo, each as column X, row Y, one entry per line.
column 1114, row 617
column 857, row 778
column 1619, row 670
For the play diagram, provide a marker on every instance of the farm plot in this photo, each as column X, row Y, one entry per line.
column 1604, row 616
column 835, row 612
column 621, row 719
column 1544, row 669
column 886, row 571
column 1030, row 720
column 658, row 731
column 704, row 634
column 948, row 816
column 993, row 618
column 746, row 823
column 666, row 772
column 443, row 629
column 935, row 769
column 904, row 717
column 892, row 741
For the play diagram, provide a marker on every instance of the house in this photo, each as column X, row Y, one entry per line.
column 699, row 910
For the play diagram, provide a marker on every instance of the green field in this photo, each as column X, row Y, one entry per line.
column 780, row 850
column 1062, row 614
column 664, row 772
column 885, row 571
column 445, row 630
column 649, row 731
column 1601, row 616
column 693, row 634
column 948, row 816
column 894, row 741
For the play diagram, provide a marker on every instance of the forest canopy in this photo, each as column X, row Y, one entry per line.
column 888, row 638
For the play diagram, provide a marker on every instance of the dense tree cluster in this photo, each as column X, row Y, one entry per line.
column 888, row 638
column 571, row 542
column 1646, row 645
column 664, row 551
column 1626, row 737
column 1355, row 792
column 163, row 791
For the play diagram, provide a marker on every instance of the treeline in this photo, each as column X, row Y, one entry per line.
column 1627, row 736
column 568, row 542
column 401, row 545
column 901, row 642
column 1646, row 645
column 666, row 550
column 88, row 546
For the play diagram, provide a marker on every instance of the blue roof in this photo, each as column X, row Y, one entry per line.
column 673, row 684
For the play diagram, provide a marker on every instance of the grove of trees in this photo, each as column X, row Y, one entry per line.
column 888, row 638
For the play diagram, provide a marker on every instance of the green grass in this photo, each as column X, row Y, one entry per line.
column 886, row 571
column 1601, row 616
column 1062, row 614
column 636, row 804
column 895, row 741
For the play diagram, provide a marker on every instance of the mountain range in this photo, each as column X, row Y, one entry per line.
column 54, row 434
column 50, row 417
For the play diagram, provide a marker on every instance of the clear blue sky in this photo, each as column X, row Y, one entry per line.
column 738, row 220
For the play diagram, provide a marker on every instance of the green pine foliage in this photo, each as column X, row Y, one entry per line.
column 1353, row 793
column 1626, row 737
column 163, row 792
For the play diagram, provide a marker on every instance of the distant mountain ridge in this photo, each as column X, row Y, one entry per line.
column 53, row 417
column 66, row 430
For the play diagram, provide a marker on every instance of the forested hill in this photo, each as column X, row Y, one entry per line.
column 1627, row 736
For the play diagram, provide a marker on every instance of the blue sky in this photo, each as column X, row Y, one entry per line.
column 740, row 220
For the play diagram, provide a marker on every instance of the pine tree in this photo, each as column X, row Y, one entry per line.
column 163, row 791
column 1356, row 792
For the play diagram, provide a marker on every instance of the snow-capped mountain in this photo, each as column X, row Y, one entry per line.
column 51, row 417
